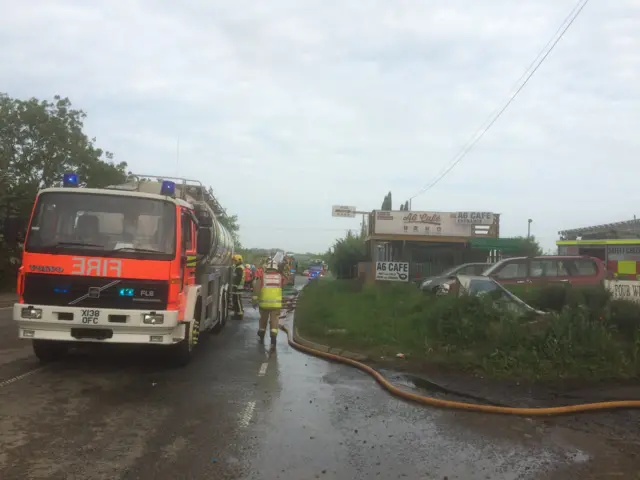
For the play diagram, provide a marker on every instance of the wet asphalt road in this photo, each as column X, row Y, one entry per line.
column 238, row 412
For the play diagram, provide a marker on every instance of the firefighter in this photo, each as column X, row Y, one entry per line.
column 285, row 271
column 248, row 277
column 237, row 284
column 267, row 296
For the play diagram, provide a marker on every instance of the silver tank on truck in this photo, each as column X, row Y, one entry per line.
column 222, row 246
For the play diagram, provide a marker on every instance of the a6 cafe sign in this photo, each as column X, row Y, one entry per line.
column 474, row 218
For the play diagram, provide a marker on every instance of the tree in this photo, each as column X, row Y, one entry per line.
column 528, row 247
column 39, row 141
column 231, row 224
column 387, row 203
column 406, row 205
column 346, row 253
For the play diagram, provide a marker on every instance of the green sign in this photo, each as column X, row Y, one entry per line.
column 504, row 244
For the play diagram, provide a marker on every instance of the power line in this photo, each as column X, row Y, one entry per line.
column 577, row 9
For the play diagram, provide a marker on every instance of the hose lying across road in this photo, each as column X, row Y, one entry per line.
column 471, row 407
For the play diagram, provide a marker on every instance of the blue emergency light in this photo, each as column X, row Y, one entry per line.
column 168, row 188
column 70, row 180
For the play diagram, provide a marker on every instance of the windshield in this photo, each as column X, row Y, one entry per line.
column 114, row 225
column 500, row 294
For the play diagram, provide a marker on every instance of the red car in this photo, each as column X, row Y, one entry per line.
column 576, row 270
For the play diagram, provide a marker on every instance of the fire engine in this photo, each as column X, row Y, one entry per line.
column 146, row 262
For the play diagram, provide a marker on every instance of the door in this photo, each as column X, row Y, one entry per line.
column 512, row 272
column 188, row 255
column 552, row 270
column 586, row 271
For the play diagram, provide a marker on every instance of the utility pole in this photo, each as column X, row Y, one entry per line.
column 529, row 229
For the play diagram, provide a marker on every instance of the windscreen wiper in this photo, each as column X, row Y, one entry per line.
column 132, row 249
column 74, row 244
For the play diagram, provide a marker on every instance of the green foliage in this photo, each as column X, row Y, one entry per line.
column 231, row 224
column 345, row 255
column 471, row 332
column 387, row 203
column 528, row 247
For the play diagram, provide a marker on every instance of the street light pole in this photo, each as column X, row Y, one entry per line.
column 529, row 229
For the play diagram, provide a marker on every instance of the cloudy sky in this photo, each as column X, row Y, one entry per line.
column 286, row 107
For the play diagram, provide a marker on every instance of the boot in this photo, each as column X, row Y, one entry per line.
column 261, row 335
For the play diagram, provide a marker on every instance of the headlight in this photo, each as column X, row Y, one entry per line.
column 32, row 313
column 153, row 318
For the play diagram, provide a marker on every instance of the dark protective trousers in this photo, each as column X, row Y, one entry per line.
column 236, row 301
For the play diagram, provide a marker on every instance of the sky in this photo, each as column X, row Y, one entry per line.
column 288, row 107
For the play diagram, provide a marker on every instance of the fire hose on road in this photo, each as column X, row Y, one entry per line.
column 436, row 402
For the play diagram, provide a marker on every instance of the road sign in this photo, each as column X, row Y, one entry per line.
column 392, row 271
column 343, row 211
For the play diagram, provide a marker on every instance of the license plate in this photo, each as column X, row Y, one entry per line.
column 91, row 333
column 90, row 316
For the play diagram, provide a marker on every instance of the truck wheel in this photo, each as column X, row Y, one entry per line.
column 50, row 351
column 182, row 352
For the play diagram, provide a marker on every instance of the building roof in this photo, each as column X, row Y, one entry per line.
column 626, row 229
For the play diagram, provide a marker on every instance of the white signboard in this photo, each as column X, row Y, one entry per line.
column 474, row 218
column 421, row 223
column 624, row 289
column 392, row 271
column 343, row 211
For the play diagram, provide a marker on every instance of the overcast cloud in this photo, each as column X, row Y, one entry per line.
column 286, row 107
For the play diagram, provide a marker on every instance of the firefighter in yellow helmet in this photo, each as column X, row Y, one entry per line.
column 267, row 295
column 237, row 285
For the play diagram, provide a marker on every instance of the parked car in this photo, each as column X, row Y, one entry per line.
column 575, row 270
column 464, row 269
column 481, row 285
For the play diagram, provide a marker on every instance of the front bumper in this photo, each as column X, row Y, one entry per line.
column 103, row 325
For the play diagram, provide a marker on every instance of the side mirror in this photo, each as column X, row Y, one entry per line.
column 204, row 217
column 204, row 241
column 14, row 229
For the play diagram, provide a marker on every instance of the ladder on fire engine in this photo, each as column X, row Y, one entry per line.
column 186, row 186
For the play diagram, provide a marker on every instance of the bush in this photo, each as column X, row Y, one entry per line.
column 555, row 297
column 471, row 332
column 345, row 255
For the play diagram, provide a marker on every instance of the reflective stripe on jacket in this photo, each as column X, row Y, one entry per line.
column 270, row 295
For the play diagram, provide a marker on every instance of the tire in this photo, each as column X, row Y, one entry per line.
column 50, row 351
column 182, row 353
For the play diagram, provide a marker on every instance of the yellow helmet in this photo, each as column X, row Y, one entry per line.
column 237, row 258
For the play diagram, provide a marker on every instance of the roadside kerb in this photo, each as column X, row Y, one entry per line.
column 324, row 348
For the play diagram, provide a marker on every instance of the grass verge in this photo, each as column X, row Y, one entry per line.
column 470, row 333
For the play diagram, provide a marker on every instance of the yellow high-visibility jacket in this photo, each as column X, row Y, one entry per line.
column 267, row 291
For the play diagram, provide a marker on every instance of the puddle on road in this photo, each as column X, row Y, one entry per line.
column 429, row 388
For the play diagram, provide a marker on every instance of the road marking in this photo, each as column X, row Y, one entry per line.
column 263, row 369
column 247, row 414
column 20, row 377
column 6, row 308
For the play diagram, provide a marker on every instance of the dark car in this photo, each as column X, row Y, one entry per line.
column 464, row 269
column 480, row 285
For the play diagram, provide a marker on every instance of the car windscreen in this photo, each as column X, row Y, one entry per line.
column 497, row 292
column 101, row 224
